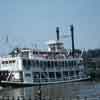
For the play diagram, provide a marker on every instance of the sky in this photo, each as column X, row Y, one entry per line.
column 31, row 23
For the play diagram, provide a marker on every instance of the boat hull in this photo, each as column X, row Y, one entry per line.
column 20, row 84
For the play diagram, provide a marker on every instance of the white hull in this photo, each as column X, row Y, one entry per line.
column 9, row 83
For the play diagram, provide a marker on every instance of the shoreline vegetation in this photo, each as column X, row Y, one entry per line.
column 92, row 63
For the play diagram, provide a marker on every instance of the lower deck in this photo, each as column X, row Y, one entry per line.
column 34, row 78
column 56, row 76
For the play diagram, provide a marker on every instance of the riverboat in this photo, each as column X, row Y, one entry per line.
column 32, row 66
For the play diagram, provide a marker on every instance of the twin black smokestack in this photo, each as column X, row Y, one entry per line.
column 72, row 37
column 57, row 31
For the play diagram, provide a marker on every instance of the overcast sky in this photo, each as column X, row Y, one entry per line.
column 30, row 22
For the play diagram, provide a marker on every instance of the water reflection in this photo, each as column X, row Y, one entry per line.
column 56, row 91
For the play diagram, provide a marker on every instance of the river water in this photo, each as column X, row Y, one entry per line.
column 83, row 88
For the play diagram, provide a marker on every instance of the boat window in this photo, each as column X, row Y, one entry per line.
column 43, row 74
column 4, row 62
column 51, row 75
column 74, row 63
column 59, row 64
column 65, row 73
column 27, row 67
column 41, row 63
column 55, row 63
column 3, row 75
column 25, row 54
column 48, row 63
column 28, row 75
column 29, row 62
column 77, row 72
column 80, row 62
column 36, row 75
column 62, row 63
column 66, row 64
column 52, row 48
column 24, row 62
column 58, row 75
column 33, row 63
column 69, row 63
column 11, row 61
column 71, row 73
column 52, row 64
column 37, row 63
column 45, row 63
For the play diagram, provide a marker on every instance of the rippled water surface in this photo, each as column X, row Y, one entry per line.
column 86, row 88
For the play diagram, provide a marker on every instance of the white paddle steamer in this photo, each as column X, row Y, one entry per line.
column 28, row 66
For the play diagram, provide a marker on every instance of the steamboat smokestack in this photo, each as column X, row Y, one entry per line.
column 57, row 31
column 72, row 37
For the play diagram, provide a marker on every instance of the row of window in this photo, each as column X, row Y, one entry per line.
column 48, row 63
column 8, row 62
column 44, row 75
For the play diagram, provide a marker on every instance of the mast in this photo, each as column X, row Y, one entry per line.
column 72, row 37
